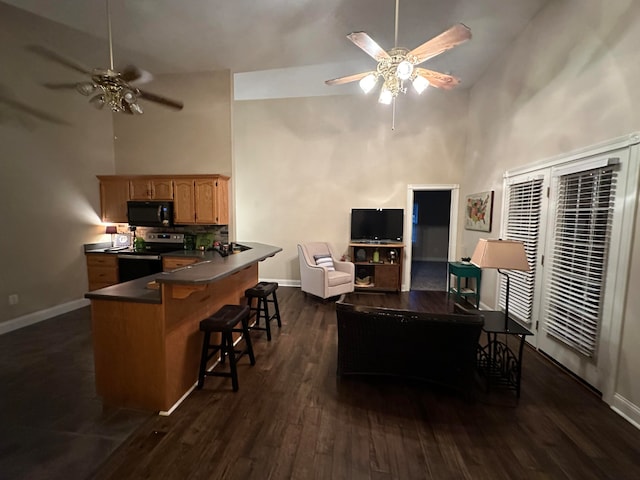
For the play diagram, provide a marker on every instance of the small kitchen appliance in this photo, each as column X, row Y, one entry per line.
column 150, row 214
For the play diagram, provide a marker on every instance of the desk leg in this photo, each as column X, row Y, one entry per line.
column 498, row 363
column 519, row 372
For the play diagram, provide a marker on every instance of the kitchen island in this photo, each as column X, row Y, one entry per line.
column 146, row 335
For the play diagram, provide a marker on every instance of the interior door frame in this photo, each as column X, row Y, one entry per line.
column 408, row 226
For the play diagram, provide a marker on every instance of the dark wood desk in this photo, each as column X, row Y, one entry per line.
column 496, row 361
column 417, row 300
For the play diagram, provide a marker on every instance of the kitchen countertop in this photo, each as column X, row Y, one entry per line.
column 211, row 268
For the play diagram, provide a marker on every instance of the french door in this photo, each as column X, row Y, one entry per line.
column 575, row 216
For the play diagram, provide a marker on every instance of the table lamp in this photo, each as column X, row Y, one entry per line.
column 111, row 230
column 501, row 254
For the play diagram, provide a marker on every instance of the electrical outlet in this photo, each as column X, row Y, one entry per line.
column 13, row 299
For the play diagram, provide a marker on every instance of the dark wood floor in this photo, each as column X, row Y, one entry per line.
column 292, row 418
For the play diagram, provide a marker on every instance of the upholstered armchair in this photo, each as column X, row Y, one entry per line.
column 321, row 273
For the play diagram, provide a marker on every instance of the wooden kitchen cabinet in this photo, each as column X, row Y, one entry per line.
column 202, row 201
column 171, row 263
column 114, row 193
column 198, row 199
column 151, row 189
column 212, row 201
column 184, row 206
column 102, row 270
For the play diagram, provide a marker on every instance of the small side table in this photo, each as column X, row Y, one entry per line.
column 465, row 270
column 496, row 361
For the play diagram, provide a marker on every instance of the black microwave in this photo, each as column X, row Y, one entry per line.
column 150, row 214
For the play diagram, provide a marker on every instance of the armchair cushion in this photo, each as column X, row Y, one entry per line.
column 325, row 261
column 336, row 278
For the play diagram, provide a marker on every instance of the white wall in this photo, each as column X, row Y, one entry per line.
column 569, row 81
column 301, row 165
column 196, row 139
column 48, row 190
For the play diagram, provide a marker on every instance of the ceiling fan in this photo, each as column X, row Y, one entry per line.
column 107, row 86
column 399, row 65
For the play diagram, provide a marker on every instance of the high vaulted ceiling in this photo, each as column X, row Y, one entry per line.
column 177, row 36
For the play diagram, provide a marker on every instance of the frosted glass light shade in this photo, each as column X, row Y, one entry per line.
column 129, row 96
column 404, row 70
column 385, row 96
column 420, row 84
column 86, row 88
column 98, row 101
column 135, row 108
column 367, row 83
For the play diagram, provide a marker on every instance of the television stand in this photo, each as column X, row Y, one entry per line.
column 378, row 265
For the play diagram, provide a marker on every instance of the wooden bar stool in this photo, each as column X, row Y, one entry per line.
column 265, row 293
column 225, row 321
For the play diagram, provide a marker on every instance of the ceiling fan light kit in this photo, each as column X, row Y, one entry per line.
column 108, row 86
column 399, row 65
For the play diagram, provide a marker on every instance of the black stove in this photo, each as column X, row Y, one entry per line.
column 156, row 244
column 134, row 264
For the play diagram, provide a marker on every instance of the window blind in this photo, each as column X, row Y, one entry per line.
column 584, row 217
column 524, row 201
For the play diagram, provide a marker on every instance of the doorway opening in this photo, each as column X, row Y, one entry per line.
column 431, row 224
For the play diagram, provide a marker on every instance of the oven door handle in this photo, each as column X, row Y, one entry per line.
column 140, row 257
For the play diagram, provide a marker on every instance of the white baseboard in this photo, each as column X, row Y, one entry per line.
column 626, row 410
column 39, row 316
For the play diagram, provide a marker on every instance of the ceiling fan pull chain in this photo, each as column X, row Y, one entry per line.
column 393, row 114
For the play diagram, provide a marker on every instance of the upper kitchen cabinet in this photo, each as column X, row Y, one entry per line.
column 184, row 203
column 202, row 200
column 197, row 199
column 151, row 189
column 114, row 193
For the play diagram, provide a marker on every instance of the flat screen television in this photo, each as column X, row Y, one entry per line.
column 377, row 225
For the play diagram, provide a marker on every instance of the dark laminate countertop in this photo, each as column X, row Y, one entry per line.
column 213, row 267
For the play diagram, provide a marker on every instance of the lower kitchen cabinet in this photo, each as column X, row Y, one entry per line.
column 171, row 263
column 102, row 270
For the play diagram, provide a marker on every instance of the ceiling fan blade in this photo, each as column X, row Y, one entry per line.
column 437, row 79
column 53, row 56
column 39, row 114
column 366, row 43
column 348, row 79
column 133, row 74
column 61, row 86
column 161, row 100
column 448, row 39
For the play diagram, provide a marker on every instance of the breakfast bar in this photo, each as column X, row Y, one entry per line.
column 145, row 332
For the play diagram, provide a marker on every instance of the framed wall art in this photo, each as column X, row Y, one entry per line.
column 478, row 211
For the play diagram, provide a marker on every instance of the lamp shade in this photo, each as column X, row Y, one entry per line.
column 111, row 229
column 505, row 254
